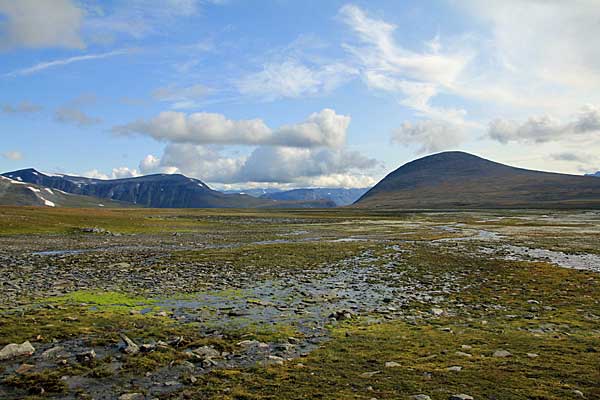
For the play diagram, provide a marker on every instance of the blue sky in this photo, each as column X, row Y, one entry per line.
column 282, row 93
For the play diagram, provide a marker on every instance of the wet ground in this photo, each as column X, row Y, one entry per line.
column 252, row 290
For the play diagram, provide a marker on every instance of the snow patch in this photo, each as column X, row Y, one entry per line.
column 100, row 205
column 49, row 190
column 48, row 202
column 34, row 190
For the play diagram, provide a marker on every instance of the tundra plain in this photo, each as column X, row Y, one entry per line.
column 296, row 304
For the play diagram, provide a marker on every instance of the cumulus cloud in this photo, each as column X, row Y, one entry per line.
column 325, row 128
column 12, row 155
column 37, row 24
column 266, row 164
column 24, row 107
column 294, row 79
column 429, row 136
column 545, row 128
column 116, row 173
column 75, row 116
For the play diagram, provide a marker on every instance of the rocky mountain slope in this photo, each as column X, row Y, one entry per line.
column 19, row 193
column 339, row 196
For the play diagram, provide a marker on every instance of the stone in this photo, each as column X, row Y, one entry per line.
column 437, row 312
column 420, row 397
column 466, row 347
column 86, row 356
column 130, row 346
column 532, row 355
column 369, row 374
column 460, row 397
column 454, row 368
column 502, row 354
column 24, row 368
column 15, row 350
column 53, row 352
column 131, row 396
column 392, row 364
column 463, row 354
column 578, row 393
column 341, row 315
column 205, row 352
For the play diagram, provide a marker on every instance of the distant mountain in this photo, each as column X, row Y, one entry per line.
column 460, row 180
column 159, row 191
column 340, row 197
column 253, row 192
column 596, row 174
column 19, row 193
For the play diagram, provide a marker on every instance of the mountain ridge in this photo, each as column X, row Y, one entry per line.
column 462, row 180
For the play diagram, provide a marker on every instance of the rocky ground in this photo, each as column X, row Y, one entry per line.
column 199, row 304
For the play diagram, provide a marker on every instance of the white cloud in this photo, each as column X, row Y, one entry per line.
column 66, row 61
column 139, row 18
column 265, row 164
column 12, row 155
column 75, row 116
column 546, row 128
column 294, row 79
column 24, row 107
column 181, row 97
column 429, row 136
column 116, row 173
column 325, row 128
column 38, row 24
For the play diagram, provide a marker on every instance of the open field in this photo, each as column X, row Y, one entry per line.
column 296, row 304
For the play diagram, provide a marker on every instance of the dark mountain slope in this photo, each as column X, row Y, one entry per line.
column 17, row 193
column 461, row 180
column 159, row 191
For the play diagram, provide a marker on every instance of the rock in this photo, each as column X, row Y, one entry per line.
column 420, row 397
column 466, row 347
column 460, row 397
column 502, row 354
column 392, row 364
column 205, row 352
column 130, row 346
column 532, row 355
column 463, row 354
column 369, row 374
column 24, row 368
column 341, row 315
column 454, row 368
column 275, row 360
column 437, row 312
column 131, row 396
column 86, row 356
column 53, row 352
column 147, row 347
column 171, row 383
column 15, row 350
column 578, row 393
column 121, row 265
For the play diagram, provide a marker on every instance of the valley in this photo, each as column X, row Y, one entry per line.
column 260, row 304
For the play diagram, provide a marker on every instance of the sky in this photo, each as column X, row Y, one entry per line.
column 284, row 93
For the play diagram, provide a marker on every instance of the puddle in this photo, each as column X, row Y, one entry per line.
column 590, row 262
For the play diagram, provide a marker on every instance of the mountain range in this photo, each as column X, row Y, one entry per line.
column 338, row 196
column 461, row 180
column 156, row 191
column 448, row 180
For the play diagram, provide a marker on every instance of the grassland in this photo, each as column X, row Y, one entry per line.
column 299, row 304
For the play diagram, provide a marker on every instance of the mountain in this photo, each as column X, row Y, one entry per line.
column 158, row 191
column 340, row 197
column 15, row 192
column 460, row 180
column 253, row 192
column 596, row 174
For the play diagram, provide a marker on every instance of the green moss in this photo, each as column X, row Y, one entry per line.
column 48, row 381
